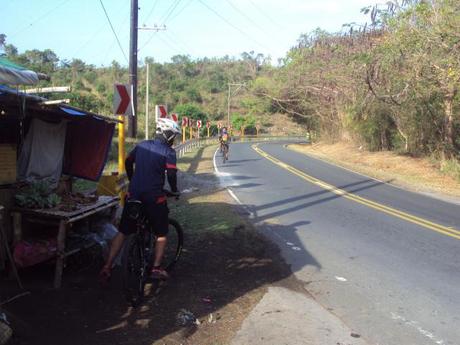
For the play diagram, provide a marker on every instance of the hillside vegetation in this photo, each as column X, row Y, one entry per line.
column 389, row 85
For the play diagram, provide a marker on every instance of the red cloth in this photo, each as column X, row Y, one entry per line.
column 31, row 253
column 87, row 147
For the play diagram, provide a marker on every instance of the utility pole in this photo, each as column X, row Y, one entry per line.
column 132, row 120
column 147, row 103
column 156, row 29
column 240, row 85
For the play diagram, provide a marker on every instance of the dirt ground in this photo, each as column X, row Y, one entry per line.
column 224, row 271
column 416, row 174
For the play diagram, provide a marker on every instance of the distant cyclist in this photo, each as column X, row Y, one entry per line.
column 224, row 139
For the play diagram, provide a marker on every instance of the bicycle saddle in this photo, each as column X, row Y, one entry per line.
column 134, row 208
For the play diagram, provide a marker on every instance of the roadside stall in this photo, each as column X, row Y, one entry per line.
column 43, row 147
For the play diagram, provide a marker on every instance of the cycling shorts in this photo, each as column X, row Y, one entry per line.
column 157, row 214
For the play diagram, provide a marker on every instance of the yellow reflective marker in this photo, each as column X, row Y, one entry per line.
column 445, row 230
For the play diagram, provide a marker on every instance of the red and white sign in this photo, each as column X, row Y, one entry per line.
column 198, row 123
column 174, row 117
column 184, row 122
column 122, row 104
column 160, row 111
column 208, row 124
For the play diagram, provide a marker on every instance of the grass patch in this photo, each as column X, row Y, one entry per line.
column 451, row 167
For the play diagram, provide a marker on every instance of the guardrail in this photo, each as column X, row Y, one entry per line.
column 189, row 145
column 270, row 138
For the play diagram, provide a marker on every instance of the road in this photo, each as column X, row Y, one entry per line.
column 384, row 260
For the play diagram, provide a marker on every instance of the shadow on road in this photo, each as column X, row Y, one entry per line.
column 328, row 196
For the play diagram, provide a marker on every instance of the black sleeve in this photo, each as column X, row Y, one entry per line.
column 172, row 179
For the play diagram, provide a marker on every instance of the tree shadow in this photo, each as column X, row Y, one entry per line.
column 222, row 264
column 328, row 196
column 194, row 161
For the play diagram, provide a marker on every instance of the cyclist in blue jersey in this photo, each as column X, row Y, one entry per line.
column 145, row 166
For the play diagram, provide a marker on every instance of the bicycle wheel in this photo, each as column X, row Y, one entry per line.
column 134, row 269
column 174, row 246
column 224, row 154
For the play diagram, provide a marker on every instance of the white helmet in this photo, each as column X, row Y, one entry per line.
column 168, row 128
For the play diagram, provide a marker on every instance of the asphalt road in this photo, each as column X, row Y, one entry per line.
column 384, row 260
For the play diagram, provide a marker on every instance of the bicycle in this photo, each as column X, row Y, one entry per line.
column 139, row 250
column 225, row 152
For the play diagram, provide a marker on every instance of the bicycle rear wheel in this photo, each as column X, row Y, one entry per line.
column 134, row 269
column 174, row 246
column 225, row 154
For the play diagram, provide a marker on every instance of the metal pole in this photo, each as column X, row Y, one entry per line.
column 132, row 120
column 147, row 105
column 228, row 107
column 121, row 145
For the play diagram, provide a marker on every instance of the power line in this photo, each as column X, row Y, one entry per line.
column 179, row 42
column 246, row 16
column 181, row 10
column 168, row 13
column 265, row 14
column 148, row 41
column 233, row 26
column 171, row 11
column 113, row 30
column 40, row 18
column 151, row 11
column 169, row 45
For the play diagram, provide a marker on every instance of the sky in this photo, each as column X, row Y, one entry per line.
column 198, row 28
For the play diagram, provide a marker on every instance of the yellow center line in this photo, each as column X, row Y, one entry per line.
column 445, row 230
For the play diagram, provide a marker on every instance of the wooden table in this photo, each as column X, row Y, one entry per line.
column 62, row 219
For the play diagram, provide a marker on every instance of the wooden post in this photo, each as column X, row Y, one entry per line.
column 208, row 132
column 184, row 133
column 191, row 132
column 60, row 254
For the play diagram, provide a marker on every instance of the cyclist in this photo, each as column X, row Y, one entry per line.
column 145, row 166
column 224, row 139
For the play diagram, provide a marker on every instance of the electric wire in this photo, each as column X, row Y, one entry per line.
column 174, row 38
column 113, row 30
column 265, row 14
column 181, row 10
column 170, row 10
column 246, row 16
column 169, row 45
column 39, row 18
column 151, row 11
column 233, row 26
column 167, row 13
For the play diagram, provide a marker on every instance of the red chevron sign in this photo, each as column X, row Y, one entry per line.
column 122, row 99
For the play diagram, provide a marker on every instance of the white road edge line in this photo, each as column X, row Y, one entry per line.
column 415, row 324
column 232, row 194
